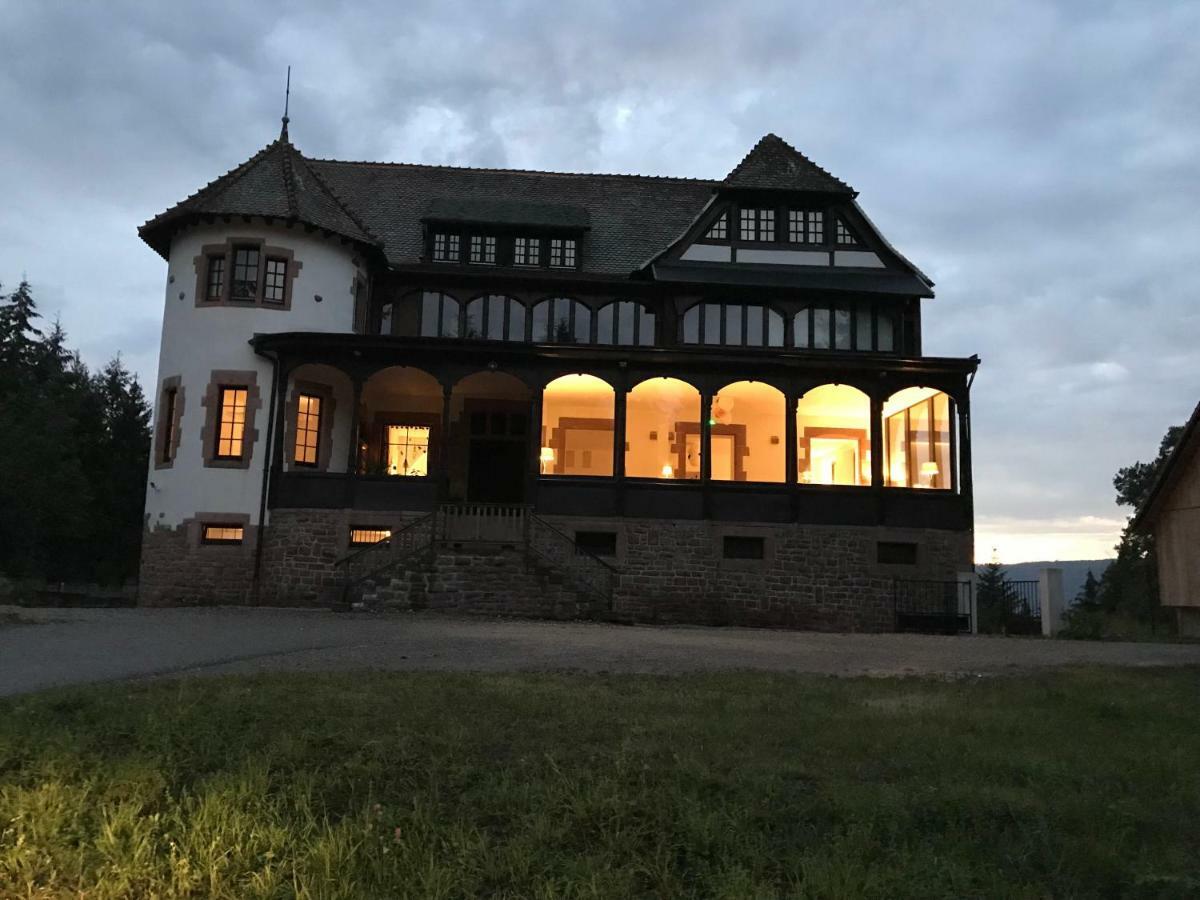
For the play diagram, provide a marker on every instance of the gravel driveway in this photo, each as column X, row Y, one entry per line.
column 70, row 646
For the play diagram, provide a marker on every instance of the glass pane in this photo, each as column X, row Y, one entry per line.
column 625, row 322
column 430, row 314
column 495, row 317
column 833, row 436
column 541, row 321
column 923, row 470
column 604, row 324
column 862, row 337
column 407, row 450
column 661, row 415
column 646, row 329
column 821, row 329
column 385, row 319
column 774, row 329
column 583, row 324
column 733, row 325
column 941, row 436
column 449, row 317
column 712, row 323
column 897, row 458
column 754, row 326
column 800, row 335
column 748, row 433
column 886, row 340
column 516, row 321
column 691, row 325
column 842, row 329
column 475, row 318
column 578, row 430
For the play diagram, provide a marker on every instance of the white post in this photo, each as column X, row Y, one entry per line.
column 972, row 579
column 1050, row 593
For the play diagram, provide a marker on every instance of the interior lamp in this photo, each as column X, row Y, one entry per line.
column 929, row 471
column 668, row 472
column 546, row 458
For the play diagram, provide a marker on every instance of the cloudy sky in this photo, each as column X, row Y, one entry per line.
column 1041, row 161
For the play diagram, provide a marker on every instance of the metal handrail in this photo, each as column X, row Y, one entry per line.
column 605, row 589
column 349, row 580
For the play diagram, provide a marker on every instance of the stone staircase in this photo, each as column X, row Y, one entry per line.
column 480, row 558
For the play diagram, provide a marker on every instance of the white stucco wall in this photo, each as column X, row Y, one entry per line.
column 195, row 341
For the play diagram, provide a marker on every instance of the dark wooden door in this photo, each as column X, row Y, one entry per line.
column 497, row 471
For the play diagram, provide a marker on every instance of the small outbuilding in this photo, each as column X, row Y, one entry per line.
column 1172, row 514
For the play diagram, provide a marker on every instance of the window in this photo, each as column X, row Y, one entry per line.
column 385, row 318
column 527, row 251
column 222, row 534
column 845, row 237
column 859, row 327
column 833, row 436
column 757, row 225
column 562, row 321
column 495, row 317
column 407, row 450
column 806, row 226
column 917, row 426
column 245, row 273
column 367, row 534
column 483, row 249
column 719, row 230
column 896, row 553
column 597, row 543
column 275, row 282
column 747, row 430
column 562, row 253
column 439, row 315
column 734, row 546
column 662, row 430
column 169, row 425
column 308, row 429
column 215, row 280
column 231, row 420
column 445, row 247
column 733, row 324
column 578, row 427
column 626, row 323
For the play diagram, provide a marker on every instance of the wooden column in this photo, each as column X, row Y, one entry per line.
column 620, row 406
column 706, row 399
column 534, row 465
column 282, row 381
column 877, row 454
column 443, row 457
column 356, row 385
column 966, row 483
column 791, row 443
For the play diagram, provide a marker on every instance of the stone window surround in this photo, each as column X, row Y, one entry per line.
column 194, row 528
column 323, row 392
column 719, row 533
column 264, row 252
column 211, row 401
column 162, row 428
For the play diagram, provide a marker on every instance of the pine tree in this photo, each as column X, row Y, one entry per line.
column 993, row 598
column 1089, row 595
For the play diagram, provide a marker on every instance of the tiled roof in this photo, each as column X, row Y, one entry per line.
column 507, row 212
column 774, row 164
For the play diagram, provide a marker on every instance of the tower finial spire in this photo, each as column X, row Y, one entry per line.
column 287, row 96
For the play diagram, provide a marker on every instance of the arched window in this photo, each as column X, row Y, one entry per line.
column 439, row 315
column 626, row 323
column 400, row 423
column 662, row 430
column 918, row 426
column 578, row 430
column 733, row 325
column 562, row 320
column 833, row 436
column 496, row 318
column 747, row 433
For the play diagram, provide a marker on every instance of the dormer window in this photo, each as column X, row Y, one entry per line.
column 483, row 249
column 445, row 247
column 527, row 251
column 719, row 230
column 806, row 226
column 845, row 237
column 562, row 253
column 245, row 274
column 757, row 225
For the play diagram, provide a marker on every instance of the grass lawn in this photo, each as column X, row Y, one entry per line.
column 1077, row 783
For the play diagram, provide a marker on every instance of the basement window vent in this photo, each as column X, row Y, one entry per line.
column 897, row 553
column 739, row 547
column 223, row 534
column 597, row 543
column 365, row 535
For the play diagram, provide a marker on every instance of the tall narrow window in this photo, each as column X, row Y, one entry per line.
column 527, row 251
column 215, row 282
column 719, row 230
column 231, row 419
column 562, row 320
column 577, row 427
column 496, row 318
column 245, row 273
column 407, row 449
column 625, row 322
column 918, row 423
column 662, row 430
column 733, row 324
column 275, row 282
column 445, row 247
column 439, row 315
column 833, row 436
column 170, row 401
column 308, row 429
column 562, row 253
column 483, row 249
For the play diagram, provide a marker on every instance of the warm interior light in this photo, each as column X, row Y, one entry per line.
column 668, row 472
column 929, row 468
column 547, row 455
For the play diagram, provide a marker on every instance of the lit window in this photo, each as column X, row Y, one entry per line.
column 757, row 225
column 308, row 429
column 245, row 273
column 578, row 413
column 662, row 430
column 806, row 226
column 833, row 436
column 496, row 318
column 170, row 401
column 719, row 230
column 362, row 535
column 747, row 425
column 275, row 281
column 445, row 247
column 407, row 450
column 439, row 315
column 231, row 419
column 483, row 249
column 844, row 235
column 215, row 282
column 562, row 253
column 562, row 321
column 527, row 251
column 917, row 426
column 223, row 534
column 733, row 325
column 625, row 323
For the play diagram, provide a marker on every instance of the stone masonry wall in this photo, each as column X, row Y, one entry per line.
column 177, row 570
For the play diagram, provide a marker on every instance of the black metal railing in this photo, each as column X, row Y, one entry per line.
column 587, row 572
column 1014, row 607
column 932, row 607
column 373, row 560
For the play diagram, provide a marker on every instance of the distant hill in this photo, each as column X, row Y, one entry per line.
column 1074, row 572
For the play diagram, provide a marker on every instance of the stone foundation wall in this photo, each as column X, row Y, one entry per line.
column 178, row 570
